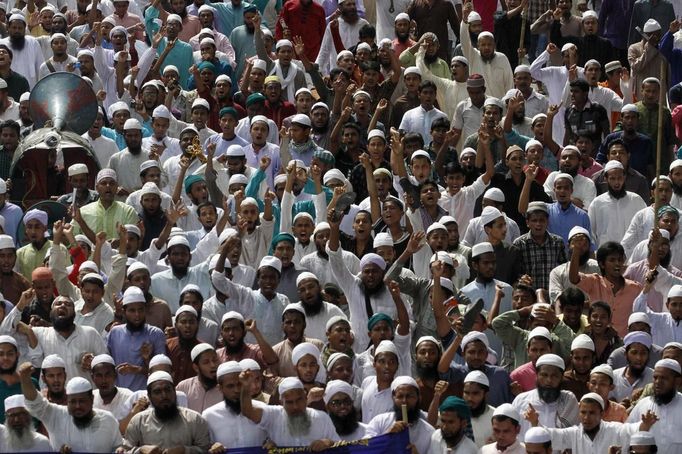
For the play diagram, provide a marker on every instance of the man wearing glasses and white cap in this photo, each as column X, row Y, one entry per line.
column 18, row 434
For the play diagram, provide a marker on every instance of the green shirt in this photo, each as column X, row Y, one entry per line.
column 101, row 219
column 30, row 258
column 10, row 390
column 439, row 68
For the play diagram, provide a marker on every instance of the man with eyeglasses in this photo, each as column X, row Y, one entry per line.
column 338, row 399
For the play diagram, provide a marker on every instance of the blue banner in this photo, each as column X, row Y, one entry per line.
column 389, row 443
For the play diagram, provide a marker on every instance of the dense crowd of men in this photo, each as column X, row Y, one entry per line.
column 302, row 223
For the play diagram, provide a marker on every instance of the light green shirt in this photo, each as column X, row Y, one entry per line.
column 30, row 258
column 101, row 219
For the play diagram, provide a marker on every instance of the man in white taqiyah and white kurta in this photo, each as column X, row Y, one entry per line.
column 449, row 92
column 495, row 69
column 126, row 163
column 611, row 212
column 103, row 370
column 18, row 433
column 26, row 60
column 326, row 58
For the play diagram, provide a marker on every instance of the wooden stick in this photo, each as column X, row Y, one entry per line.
column 522, row 38
column 404, row 408
column 659, row 136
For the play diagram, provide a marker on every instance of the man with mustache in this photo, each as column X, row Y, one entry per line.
column 338, row 398
column 455, row 417
column 475, row 393
column 19, row 434
column 165, row 426
column 27, row 53
column 202, row 390
column 635, row 374
column 77, row 426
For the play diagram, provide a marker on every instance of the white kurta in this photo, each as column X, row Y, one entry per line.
column 386, row 19
column 664, row 328
column 641, row 252
column 374, row 401
column 609, row 434
column 439, row 446
column 475, row 233
column 26, row 61
column 127, row 168
column 320, row 266
column 419, row 120
column 315, row 325
column 666, row 430
column 467, row 119
column 609, row 217
column 103, row 147
column 256, row 244
column 420, row 431
column 40, row 443
column 326, row 58
column 233, row 430
column 638, row 230
column 497, row 72
column 461, row 205
column 117, row 406
column 583, row 188
column 548, row 412
column 483, row 426
column 559, row 281
column 101, row 436
column 449, row 92
column 274, row 422
column 364, row 362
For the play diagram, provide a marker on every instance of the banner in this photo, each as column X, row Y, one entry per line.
column 389, row 443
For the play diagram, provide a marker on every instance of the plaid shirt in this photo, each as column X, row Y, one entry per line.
column 540, row 259
column 537, row 8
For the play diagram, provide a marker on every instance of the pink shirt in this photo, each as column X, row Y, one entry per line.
column 591, row 170
column 128, row 20
column 198, row 398
column 525, row 375
column 598, row 288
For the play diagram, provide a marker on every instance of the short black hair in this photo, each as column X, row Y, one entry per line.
column 334, row 73
column 620, row 142
column 414, row 137
column 367, row 31
column 428, row 183
column 609, row 248
column 600, row 305
column 503, row 418
column 525, row 288
column 8, row 50
column 205, row 204
column 440, row 123
column 354, row 126
column 12, row 125
column 572, row 296
column 427, row 84
column 581, row 84
column 453, row 168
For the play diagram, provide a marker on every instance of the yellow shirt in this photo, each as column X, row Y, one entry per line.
column 101, row 219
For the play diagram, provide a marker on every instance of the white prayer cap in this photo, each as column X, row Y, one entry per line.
column 161, row 111
column 535, row 311
column 476, row 376
column 283, row 43
column 403, row 380
column 119, row 55
column 651, row 26
column 583, row 341
column 229, row 367
column 508, row 411
column 259, row 64
column 522, row 69
column 334, row 357
column 550, row 359
column 577, row 230
column 533, row 143
column 435, row 226
column 118, row 106
column 174, row 18
column 443, row 257
column 638, row 337
column 661, row 178
column 78, row 385
column 362, row 92
column 474, row 336
column 386, row 346
column 445, row 220
column 305, row 275
column 289, row 383
column 412, row 70
column 319, row 105
column 459, row 58
column 6, row 339
column 668, row 363
column 302, row 90
column 376, row 133
column 342, row 54
column 322, row 226
column 403, row 16
column 481, row 248
column 160, row 359
column 494, row 194
column 56, row 36
column 447, row 284
column 420, row 154
column 261, row 119
column 334, row 320
column 249, row 364
column 303, row 349
column 201, row 102
column 474, row 17
column 226, row 235
column 133, row 294
column 200, row 348
column 466, row 151
column 77, row 169
column 235, row 151
column 36, row 214
column 589, row 14
column 363, row 46
column 17, row 16
column 95, row 276
column 178, row 240
column 137, row 266
column 537, row 117
column 603, row 369
column 613, row 164
column 540, row 331
column 106, row 173
column 169, row 68
column 537, row 435
column 489, row 214
column 333, row 174
column 102, row 359
column 159, row 375
column 303, row 214
column 238, row 178
column 337, row 386
column 381, row 239
column 431, row 339
column 372, row 259
column 185, row 308
column 676, row 345
column 639, row 317
column 15, row 401
column 3, row 186
column 223, row 78
column 208, row 8
column 6, row 242
column 51, row 361
column 563, row 175
column 132, row 228
column 675, row 291
column 567, row 46
column 207, row 40
column 593, row 396
column 642, row 438
column 272, row 262
column 492, row 101
column 232, row 315
column 296, row 307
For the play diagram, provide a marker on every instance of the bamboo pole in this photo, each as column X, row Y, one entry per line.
column 659, row 136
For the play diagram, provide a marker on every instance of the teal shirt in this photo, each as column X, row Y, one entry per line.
column 227, row 16
column 180, row 56
column 10, row 390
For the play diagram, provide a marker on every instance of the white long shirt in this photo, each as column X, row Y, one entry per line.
column 609, row 217
column 439, row 446
column 666, row 430
column 103, row 147
column 127, row 168
column 420, row 431
column 117, row 406
column 623, row 388
column 26, row 61
column 315, row 263
column 40, row 443
column 583, row 188
column 497, row 72
column 461, row 205
column 475, row 233
column 419, row 120
column 326, row 58
column 638, row 230
column 664, row 328
column 101, row 436
column 448, row 92
column 385, row 19
column 609, row 434
column 241, row 431
column 363, row 366
column 547, row 412
column 374, row 401
column 559, row 281
column 467, row 118
column 316, row 325
column 274, row 422
column 641, row 252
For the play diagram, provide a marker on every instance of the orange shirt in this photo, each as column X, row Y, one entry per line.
column 600, row 289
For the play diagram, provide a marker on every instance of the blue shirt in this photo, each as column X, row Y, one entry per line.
column 13, row 215
column 228, row 16
column 124, row 346
column 562, row 221
column 120, row 138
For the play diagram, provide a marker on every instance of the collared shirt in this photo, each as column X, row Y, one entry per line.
column 375, row 401
column 461, row 205
column 124, row 346
column 623, row 387
column 598, row 288
column 198, row 397
column 188, row 429
column 609, row 217
column 242, row 433
column 83, row 339
column 101, row 435
column 117, row 405
column 540, row 259
column 664, row 328
column 561, row 413
column 559, row 281
column 576, row 440
column 29, row 258
column 561, row 221
column 101, row 219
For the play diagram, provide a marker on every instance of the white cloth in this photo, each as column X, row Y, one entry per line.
column 467, row 118
column 320, row 266
column 623, row 388
column 461, row 205
column 167, row 286
column 326, row 57
column 242, row 433
column 99, row 319
column 516, row 448
column 40, row 443
column 475, row 233
column 548, row 412
column 483, row 426
column 583, row 188
column 609, row 434
column 374, row 401
column 559, row 281
column 103, row 147
column 603, row 96
column 364, row 362
column 419, row 120
column 497, row 72
column 385, row 19
column 134, row 200
column 449, row 92
column 609, row 217
column 172, row 147
column 316, row 325
column 638, row 230
column 666, row 430
column 420, row 431
column 127, row 168
column 58, row 66
column 12, row 112
column 117, row 406
column 274, row 422
column 256, row 244
column 101, row 436
column 26, row 61
column 664, row 328
column 641, row 251
column 243, row 130
column 439, row 446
